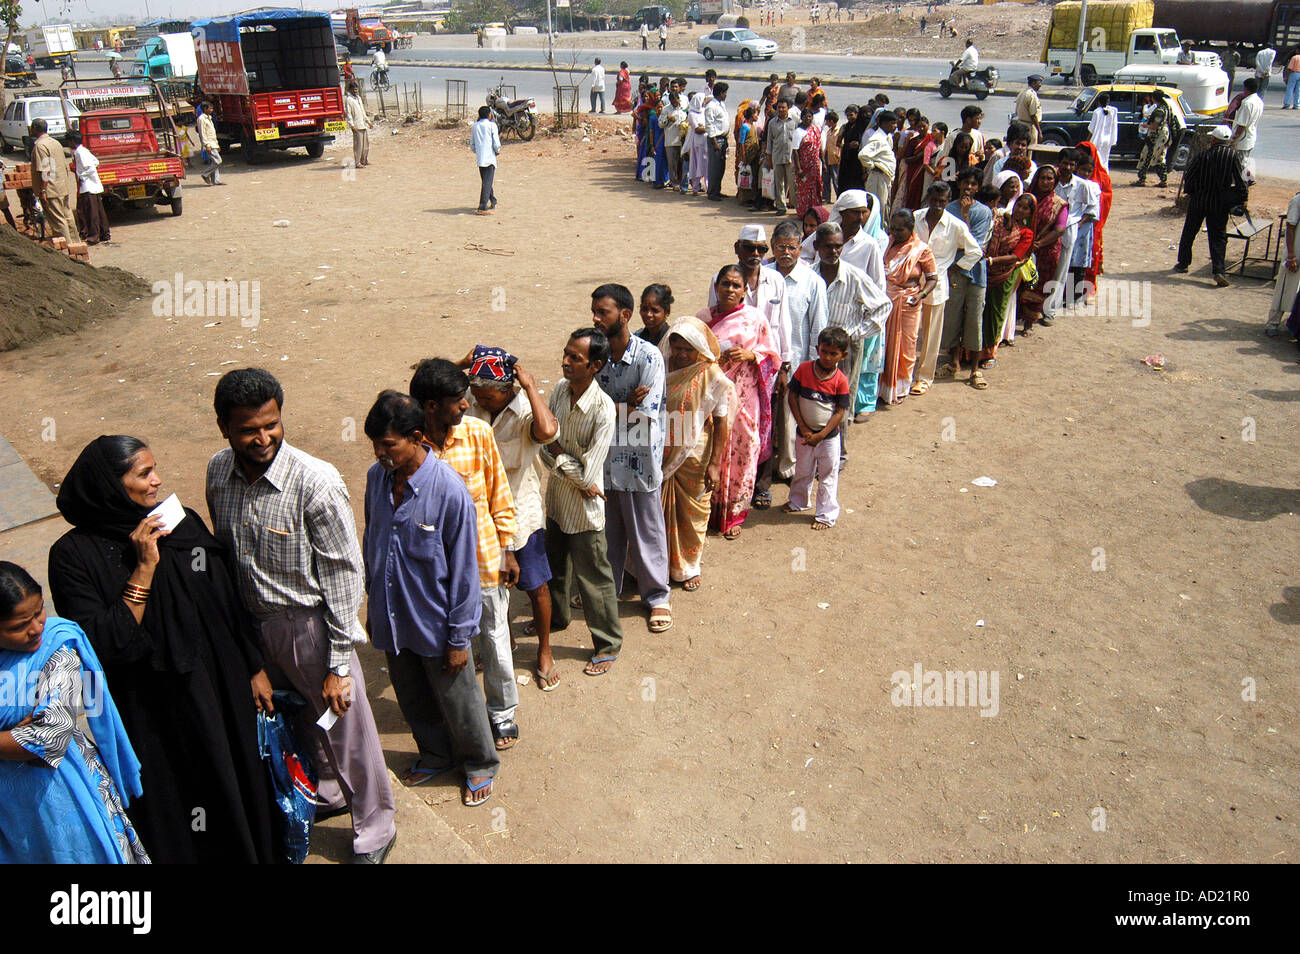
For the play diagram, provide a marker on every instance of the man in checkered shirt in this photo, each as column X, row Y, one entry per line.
column 287, row 519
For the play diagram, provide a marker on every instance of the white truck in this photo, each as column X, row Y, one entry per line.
column 1118, row 33
column 708, row 11
column 50, row 45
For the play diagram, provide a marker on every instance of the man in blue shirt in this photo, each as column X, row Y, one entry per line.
column 634, row 516
column 421, row 556
column 963, row 318
column 485, row 142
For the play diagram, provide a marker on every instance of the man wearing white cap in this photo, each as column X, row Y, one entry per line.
column 1214, row 185
column 864, row 239
column 765, row 290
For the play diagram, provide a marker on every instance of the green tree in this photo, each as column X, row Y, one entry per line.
column 10, row 13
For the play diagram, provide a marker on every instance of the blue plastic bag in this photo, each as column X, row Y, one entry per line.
column 293, row 778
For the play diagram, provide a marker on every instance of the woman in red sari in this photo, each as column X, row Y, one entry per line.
column 914, row 157
column 750, row 361
column 1010, row 246
column 623, row 90
column 807, row 158
column 1050, row 218
column 910, row 278
column 1102, row 177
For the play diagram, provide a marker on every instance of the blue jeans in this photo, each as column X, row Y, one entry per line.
column 1292, row 97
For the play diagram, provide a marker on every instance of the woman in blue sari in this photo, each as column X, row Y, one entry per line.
column 63, row 795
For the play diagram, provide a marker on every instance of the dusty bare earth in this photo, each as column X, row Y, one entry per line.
column 1132, row 567
column 1001, row 31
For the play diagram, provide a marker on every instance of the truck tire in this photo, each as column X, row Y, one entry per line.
column 1088, row 74
column 176, row 205
column 315, row 149
column 253, row 154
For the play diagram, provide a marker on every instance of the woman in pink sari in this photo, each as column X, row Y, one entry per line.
column 910, row 277
column 750, row 361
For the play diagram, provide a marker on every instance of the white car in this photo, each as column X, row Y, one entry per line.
column 20, row 112
column 732, row 43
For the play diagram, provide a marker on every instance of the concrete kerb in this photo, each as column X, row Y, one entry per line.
column 828, row 79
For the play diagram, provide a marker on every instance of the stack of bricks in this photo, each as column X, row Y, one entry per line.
column 20, row 177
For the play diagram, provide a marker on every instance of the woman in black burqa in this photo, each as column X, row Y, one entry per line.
column 180, row 654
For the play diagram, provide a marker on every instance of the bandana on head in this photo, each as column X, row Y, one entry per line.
column 494, row 364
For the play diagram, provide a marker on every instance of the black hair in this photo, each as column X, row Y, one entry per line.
column 622, row 65
column 988, row 194
column 437, row 379
column 733, row 267
column 1067, row 155
column 38, row 126
column 939, row 188
column 992, row 144
column 120, row 450
column 720, row 89
column 789, row 229
column 1249, row 86
column 832, row 117
column 970, row 112
column 621, row 295
column 1018, row 132
column 882, row 99
column 1104, row 98
column 394, row 413
column 484, row 112
column 834, row 336
column 74, row 139
column 16, row 584
column 906, row 215
column 710, row 73
column 246, row 387
column 820, row 97
column 597, row 344
column 889, row 117
column 662, row 293
column 967, row 174
column 912, row 114
column 800, row 99
column 941, row 126
column 598, row 61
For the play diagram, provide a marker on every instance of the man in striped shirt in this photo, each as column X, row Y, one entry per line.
column 1214, row 185
column 467, row 444
column 287, row 519
column 575, row 497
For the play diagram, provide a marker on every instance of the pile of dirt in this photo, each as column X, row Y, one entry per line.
column 44, row 293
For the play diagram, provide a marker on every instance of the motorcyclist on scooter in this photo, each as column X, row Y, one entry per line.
column 969, row 62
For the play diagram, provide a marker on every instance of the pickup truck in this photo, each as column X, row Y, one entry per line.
column 1069, row 127
column 273, row 79
column 1116, row 34
column 128, row 127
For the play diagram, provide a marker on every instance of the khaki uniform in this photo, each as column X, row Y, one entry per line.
column 53, row 181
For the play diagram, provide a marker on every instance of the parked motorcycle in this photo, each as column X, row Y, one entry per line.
column 518, row 115
column 981, row 82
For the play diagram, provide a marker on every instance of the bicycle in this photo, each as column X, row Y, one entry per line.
column 379, row 81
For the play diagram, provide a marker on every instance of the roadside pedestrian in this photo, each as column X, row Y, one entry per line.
column 1029, row 108
column 288, row 519
column 1264, row 67
column 1245, row 127
column 359, row 123
column 1214, row 184
column 1287, row 286
column 485, row 142
column 663, row 36
column 1291, row 99
column 91, row 218
column 209, row 145
column 467, row 444
column 53, row 182
column 717, row 123
column 424, row 601
column 645, row 35
column 597, row 85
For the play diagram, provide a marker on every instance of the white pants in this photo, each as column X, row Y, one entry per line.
column 1057, row 298
column 821, row 462
column 492, row 644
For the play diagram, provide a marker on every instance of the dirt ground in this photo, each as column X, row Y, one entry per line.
column 1126, row 579
column 1001, row 31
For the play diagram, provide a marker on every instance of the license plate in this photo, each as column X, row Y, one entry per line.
column 336, row 125
column 136, row 192
column 266, row 132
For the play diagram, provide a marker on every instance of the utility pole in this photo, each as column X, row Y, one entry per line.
column 550, row 38
column 1083, row 42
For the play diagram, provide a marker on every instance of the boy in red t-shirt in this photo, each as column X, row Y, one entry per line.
column 819, row 399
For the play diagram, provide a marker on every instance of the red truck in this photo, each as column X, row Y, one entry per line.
column 128, row 127
column 273, row 79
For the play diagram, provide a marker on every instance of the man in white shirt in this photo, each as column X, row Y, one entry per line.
column 970, row 59
column 1263, row 67
column 663, row 36
column 696, row 148
column 1246, row 124
column 485, row 143
column 1073, row 190
column 354, row 108
column 948, row 237
column 852, row 211
column 209, row 145
column 380, row 64
column 717, row 123
column 1103, row 128
column 597, row 85
column 645, row 35
column 90, row 193
column 878, row 160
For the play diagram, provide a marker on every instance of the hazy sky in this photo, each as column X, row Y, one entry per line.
column 35, row 12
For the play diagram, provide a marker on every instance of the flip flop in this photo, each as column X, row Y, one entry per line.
column 547, row 681
column 416, row 775
column 762, row 500
column 732, row 534
column 691, row 585
column 920, row 387
column 469, row 790
column 598, row 659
